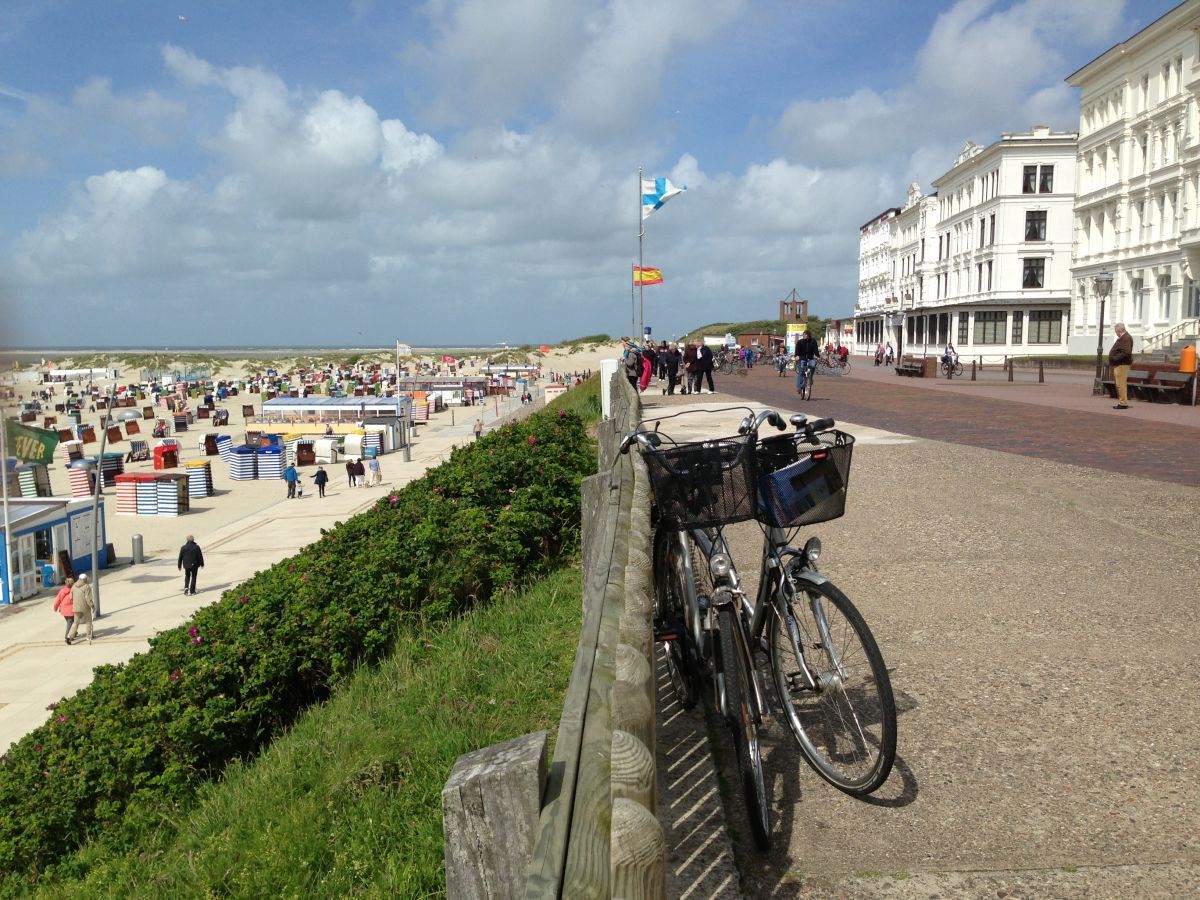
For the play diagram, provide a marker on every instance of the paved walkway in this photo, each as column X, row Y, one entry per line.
column 1036, row 615
column 244, row 527
column 1058, row 420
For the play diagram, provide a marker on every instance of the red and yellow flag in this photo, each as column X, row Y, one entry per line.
column 646, row 275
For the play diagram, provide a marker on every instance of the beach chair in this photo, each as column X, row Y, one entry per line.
column 139, row 451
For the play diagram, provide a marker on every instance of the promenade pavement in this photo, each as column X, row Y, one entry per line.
column 1037, row 615
column 246, row 526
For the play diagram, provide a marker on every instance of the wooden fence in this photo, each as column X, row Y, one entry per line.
column 596, row 832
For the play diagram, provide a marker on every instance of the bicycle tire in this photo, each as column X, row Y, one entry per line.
column 806, row 386
column 958, row 369
column 670, row 601
column 846, row 366
column 745, row 733
column 846, row 730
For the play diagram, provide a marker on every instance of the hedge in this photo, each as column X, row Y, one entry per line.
column 130, row 749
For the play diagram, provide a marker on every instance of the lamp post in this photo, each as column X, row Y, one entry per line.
column 1102, row 282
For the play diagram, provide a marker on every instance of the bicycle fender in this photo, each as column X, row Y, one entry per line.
column 814, row 578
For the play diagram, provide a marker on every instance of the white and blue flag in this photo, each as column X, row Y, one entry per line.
column 656, row 192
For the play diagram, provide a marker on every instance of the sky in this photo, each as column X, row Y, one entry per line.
column 331, row 173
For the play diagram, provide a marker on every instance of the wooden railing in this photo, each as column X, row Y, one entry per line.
column 1185, row 329
column 596, row 833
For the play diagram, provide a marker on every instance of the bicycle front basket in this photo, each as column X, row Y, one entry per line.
column 812, row 488
column 704, row 484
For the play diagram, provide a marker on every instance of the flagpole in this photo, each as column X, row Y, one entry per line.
column 641, row 286
column 8, row 579
column 632, row 306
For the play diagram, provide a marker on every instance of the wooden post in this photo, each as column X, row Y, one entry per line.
column 638, row 852
column 972, row 370
column 490, row 809
column 1041, row 373
column 1010, row 370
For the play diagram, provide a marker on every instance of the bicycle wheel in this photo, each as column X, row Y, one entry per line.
column 673, row 592
column 806, row 386
column 745, row 733
column 846, row 366
column 958, row 369
column 846, row 725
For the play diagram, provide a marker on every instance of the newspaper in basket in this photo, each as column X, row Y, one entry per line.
column 704, row 484
column 804, row 484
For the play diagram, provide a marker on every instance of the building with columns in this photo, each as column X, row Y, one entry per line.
column 1137, row 209
column 985, row 263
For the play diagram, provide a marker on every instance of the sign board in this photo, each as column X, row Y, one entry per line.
column 794, row 330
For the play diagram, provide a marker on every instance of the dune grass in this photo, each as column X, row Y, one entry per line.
column 348, row 803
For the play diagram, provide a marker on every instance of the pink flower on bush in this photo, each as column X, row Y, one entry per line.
column 532, row 440
column 291, row 568
column 244, row 599
column 437, row 490
column 53, row 705
column 562, row 414
column 304, row 578
column 512, row 490
column 193, row 631
column 37, row 746
column 62, row 718
column 197, row 640
column 394, row 499
column 253, row 626
column 175, row 675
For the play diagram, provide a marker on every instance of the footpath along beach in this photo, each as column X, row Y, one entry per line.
column 244, row 527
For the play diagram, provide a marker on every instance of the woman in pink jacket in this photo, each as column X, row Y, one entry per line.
column 66, row 606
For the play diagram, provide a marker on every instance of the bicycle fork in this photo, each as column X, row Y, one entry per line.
column 744, row 659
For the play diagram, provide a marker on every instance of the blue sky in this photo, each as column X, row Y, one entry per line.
column 216, row 172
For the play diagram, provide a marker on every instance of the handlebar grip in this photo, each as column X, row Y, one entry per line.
column 777, row 420
column 820, row 425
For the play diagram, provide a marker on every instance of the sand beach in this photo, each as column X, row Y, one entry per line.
column 243, row 527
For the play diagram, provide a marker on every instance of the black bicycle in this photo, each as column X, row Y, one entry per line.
column 827, row 670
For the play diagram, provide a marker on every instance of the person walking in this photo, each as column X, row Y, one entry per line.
column 671, row 359
column 350, row 472
column 478, row 429
column 291, row 477
column 376, row 471
column 689, row 367
column 320, row 479
column 191, row 561
column 64, row 606
column 360, row 472
column 704, row 363
column 81, row 601
column 1120, row 357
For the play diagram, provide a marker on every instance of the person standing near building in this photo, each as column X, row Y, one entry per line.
column 1120, row 357
column 65, row 607
column 81, row 600
column 376, row 471
column 191, row 561
column 291, row 477
column 478, row 429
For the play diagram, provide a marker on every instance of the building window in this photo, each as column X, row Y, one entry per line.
column 991, row 327
column 979, row 277
column 1046, row 180
column 1018, row 324
column 1164, row 297
column 1034, row 272
column 1135, row 292
column 982, row 231
column 991, row 229
column 1035, row 225
column 1029, row 181
column 989, row 282
column 1045, row 326
column 964, row 322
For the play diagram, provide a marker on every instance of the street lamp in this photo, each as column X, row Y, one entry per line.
column 1102, row 282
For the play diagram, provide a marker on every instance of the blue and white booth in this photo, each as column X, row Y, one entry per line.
column 43, row 530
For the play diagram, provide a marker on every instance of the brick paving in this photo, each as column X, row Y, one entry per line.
column 1059, row 420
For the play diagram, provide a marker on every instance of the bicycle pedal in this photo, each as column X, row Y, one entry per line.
column 666, row 634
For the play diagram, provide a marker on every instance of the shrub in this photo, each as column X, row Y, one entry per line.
column 131, row 748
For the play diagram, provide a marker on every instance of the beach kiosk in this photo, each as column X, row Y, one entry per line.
column 47, row 531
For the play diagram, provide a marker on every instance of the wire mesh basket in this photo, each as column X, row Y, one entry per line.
column 801, row 483
column 704, row 484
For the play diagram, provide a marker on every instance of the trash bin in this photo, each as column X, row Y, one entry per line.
column 47, row 575
column 1187, row 358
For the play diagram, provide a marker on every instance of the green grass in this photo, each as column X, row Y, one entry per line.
column 349, row 801
column 766, row 326
column 583, row 400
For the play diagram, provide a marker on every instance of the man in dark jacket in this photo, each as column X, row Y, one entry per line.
column 1120, row 357
column 704, row 366
column 689, row 367
column 191, row 560
column 671, row 359
column 806, row 357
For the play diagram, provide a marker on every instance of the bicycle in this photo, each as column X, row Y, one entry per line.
column 947, row 367
column 832, row 364
column 804, row 380
column 839, row 708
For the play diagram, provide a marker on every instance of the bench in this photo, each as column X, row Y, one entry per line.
column 1136, row 384
column 1174, row 386
column 911, row 368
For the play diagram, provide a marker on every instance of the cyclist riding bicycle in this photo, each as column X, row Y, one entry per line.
column 950, row 356
column 806, row 358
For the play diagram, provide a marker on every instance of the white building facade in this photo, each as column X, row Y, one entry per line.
column 876, row 278
column 985, row 263
column 1137, row 210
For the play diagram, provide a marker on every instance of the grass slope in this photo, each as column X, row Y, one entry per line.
column 349, row 801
